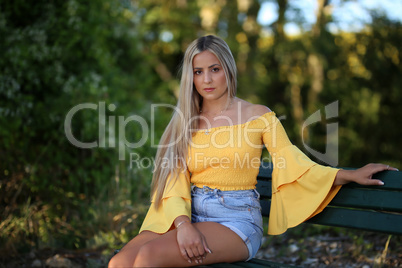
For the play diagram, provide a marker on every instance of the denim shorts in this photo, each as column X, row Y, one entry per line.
column 240, row 211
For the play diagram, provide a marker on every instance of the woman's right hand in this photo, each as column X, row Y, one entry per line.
column 192, row 243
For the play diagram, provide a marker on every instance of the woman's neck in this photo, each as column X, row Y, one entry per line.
column 215, row 107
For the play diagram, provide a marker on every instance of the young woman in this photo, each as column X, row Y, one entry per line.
column 205, row 208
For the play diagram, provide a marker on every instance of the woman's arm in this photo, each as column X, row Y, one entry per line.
column 362, row 175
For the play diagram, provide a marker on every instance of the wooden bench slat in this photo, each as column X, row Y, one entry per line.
column 265, row 207
column 223, row 265
column 265, row 263
column 265, row 170
column 370, row 198
column 392, row 179
column 264, row 188
column 249, row 264
column 390, row 223
column 253, row 263
column 369, row 220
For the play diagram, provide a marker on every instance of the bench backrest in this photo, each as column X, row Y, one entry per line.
column 372, row 208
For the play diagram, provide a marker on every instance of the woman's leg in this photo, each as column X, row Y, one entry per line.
column 126, row 256
column 163, row 251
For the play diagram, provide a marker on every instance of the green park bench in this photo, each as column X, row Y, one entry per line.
column 370, row 208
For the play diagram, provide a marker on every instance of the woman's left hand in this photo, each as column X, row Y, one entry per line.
column 363, row 175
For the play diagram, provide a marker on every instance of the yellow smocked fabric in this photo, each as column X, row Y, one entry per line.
column 228, row 158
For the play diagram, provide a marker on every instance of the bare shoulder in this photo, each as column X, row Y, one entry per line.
column 258, row 109
column 253, row 110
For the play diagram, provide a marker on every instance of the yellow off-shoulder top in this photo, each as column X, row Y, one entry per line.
column 228, row 158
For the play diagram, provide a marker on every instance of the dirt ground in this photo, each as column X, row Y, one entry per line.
column 334, row 251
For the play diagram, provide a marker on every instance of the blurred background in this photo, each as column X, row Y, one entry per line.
column 294, row 56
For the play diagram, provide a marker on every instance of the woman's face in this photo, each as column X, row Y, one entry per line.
column 209, row 76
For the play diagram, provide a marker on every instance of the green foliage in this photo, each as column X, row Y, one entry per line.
column 57, row 55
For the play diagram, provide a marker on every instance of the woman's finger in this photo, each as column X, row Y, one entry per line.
column 388, row 167
column 183, row 253
column 190, row 253
column 392, row 168
column 197, row 254
column 372, row 169
column 373, row 182
column 200, row 248
column 206, row 248
column 381, row 167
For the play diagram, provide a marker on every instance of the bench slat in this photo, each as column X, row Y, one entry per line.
column 392, row 179
column 390, row 223
column 265, row 170
column 265, row 207
column 369, row 198
column 369, row 220
column 253, row 263
column 264, row 188
column 249, row 264
column 265, row 263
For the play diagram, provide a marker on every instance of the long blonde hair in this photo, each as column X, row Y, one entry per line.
column 176, row 138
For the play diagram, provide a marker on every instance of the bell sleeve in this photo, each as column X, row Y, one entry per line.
column 176, row 201
column 301, row 188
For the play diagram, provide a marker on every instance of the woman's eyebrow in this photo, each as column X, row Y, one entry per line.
column 216, row 64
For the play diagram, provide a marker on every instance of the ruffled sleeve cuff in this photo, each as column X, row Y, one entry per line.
column 300, row 189
column 176, row 201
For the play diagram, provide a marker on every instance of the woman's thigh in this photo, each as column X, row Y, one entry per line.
column 226, row 246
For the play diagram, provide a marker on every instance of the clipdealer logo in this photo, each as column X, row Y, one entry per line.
column 122, row 141
column 107, row 137
column 331, row 154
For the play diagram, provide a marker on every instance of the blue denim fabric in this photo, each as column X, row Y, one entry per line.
column 240, row 211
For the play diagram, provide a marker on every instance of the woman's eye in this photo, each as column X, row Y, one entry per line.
column 197, row 72
column 215, row 70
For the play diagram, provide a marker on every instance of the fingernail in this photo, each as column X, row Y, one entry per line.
column 196, row 261
column 209, row 251
column 381, row 183
column 189, row 261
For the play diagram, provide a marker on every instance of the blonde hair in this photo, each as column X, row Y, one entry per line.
column 176, row 138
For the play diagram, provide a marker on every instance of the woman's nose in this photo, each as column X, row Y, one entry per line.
column 207, row 78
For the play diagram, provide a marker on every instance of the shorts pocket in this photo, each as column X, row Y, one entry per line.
column 239, row 203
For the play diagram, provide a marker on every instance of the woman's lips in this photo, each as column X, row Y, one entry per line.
column 209, row 89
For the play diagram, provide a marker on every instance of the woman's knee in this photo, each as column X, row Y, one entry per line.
column 146, row 256
column 121, row 260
